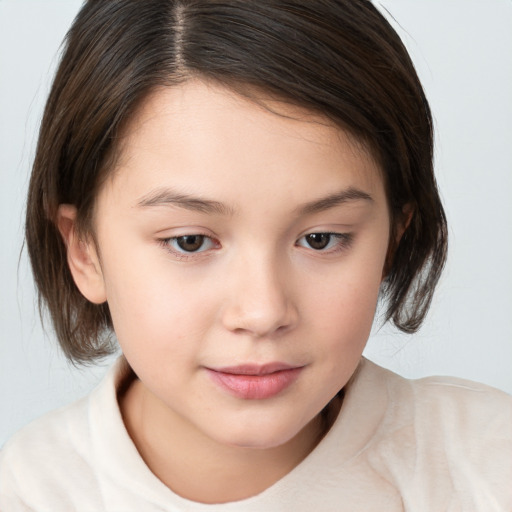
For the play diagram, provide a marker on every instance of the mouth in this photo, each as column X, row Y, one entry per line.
column 255, row 382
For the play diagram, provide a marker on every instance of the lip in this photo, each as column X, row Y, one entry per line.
column 255, row 382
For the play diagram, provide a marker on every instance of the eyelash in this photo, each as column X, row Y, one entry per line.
column 342, row 242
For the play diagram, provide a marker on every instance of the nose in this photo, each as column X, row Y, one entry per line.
column 259, row 302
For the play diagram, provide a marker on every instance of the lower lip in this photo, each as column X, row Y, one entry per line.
column 255, row 387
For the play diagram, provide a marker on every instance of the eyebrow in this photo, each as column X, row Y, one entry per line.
column 325, row 203
column 168, row 197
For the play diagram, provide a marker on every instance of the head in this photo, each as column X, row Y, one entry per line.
column 330, row 63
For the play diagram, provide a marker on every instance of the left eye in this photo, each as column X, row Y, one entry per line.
column 190, row 243
column 323, row 241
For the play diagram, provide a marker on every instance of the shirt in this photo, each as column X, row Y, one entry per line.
column 434, row 444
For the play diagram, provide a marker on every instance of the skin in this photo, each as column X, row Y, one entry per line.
column 256, row 291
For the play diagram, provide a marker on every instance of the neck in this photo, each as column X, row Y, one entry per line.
column 196, row 467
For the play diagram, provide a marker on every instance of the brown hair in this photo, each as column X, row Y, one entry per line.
column 339, row 58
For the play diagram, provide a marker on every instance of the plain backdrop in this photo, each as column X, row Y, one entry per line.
column 463, row 53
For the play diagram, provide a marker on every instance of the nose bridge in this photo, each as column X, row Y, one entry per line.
column 259, row 301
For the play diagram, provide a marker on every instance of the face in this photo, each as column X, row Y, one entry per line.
column 241, row 253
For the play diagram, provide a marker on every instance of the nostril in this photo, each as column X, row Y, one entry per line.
column 259, row 322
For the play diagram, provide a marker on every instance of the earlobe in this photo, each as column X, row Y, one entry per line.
column 82, row 257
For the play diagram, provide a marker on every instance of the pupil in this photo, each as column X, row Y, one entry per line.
column 190, row 243
column 318, row 240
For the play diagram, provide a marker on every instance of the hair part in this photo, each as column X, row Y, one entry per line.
column 338, row 58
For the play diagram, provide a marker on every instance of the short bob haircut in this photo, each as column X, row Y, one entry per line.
column 337, row 58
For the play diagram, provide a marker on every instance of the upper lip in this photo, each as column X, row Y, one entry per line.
column 256, row 369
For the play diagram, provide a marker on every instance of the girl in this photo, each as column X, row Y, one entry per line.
column 230, row 187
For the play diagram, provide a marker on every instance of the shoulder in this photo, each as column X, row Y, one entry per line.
column 34, row 457
column 441, row 436
column 449, row 395
column 473, row 404
column 59, row 429
column 471, row 422
column 449, row 403
column 54, row 454
column 443, row 407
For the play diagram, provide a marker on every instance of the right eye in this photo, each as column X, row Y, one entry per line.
column 188, row 243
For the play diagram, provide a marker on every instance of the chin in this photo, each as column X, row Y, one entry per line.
column 260, row 437
column 260, row 443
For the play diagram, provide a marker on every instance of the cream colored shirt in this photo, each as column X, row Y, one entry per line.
column 435, row 444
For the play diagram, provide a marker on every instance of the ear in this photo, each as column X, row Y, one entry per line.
column 83, row 259
column 402, row 222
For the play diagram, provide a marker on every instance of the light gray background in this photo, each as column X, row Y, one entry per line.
column 463, row 53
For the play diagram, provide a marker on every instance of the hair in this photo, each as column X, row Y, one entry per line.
column 338, row 58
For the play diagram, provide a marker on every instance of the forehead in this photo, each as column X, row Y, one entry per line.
column 198, row 135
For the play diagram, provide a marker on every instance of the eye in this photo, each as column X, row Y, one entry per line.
column 325, row 241
column 189, row 243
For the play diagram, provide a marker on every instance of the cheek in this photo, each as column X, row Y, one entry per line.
column 347, row 294
column 153, row 304
column 345, row 316
column 341, row 306
column 341, row 322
